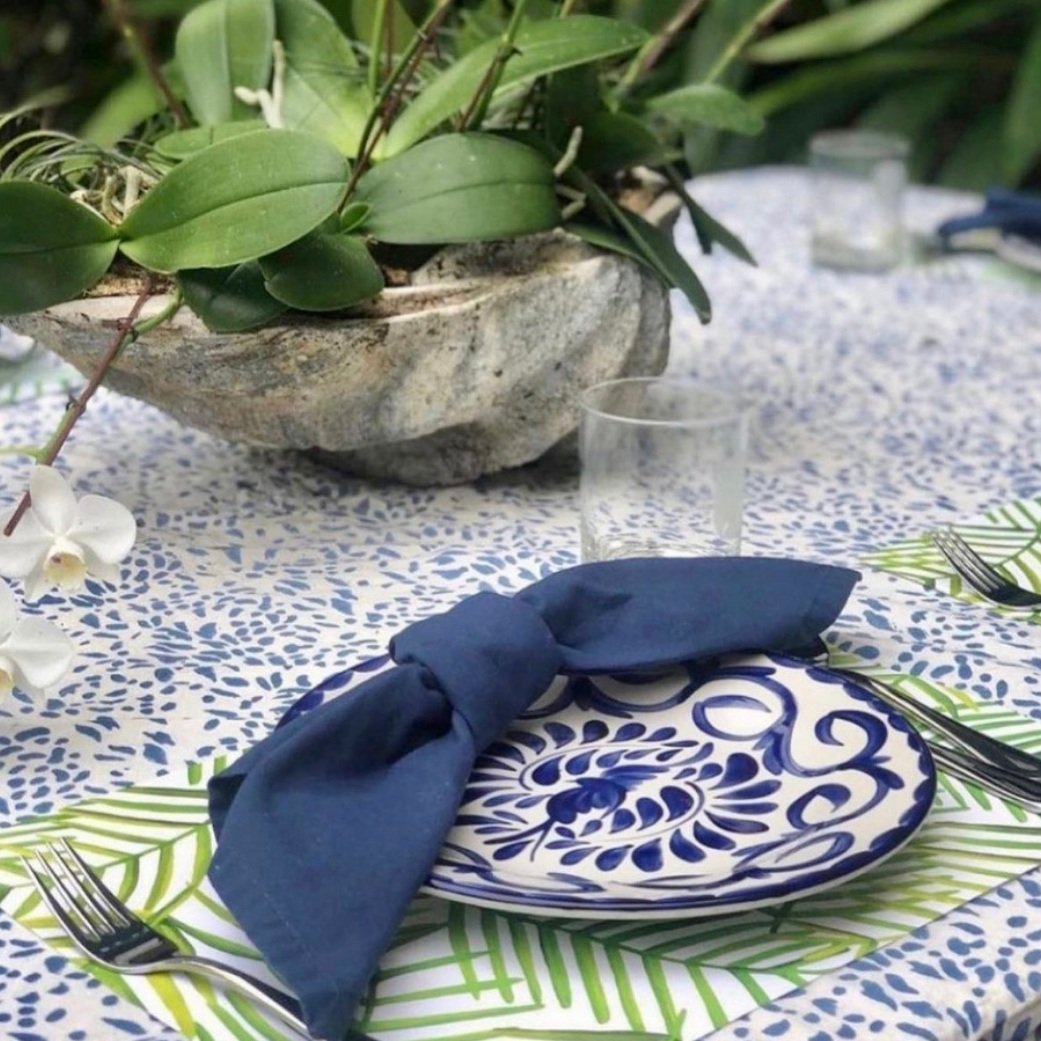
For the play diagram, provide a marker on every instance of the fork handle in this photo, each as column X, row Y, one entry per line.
column 279, row 1004
column 1023, row 767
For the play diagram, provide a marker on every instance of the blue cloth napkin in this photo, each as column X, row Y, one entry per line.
column 1017, row 213
column 328, row 827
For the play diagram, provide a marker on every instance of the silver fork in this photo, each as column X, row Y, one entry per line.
column 108, row 932
column 985, row 579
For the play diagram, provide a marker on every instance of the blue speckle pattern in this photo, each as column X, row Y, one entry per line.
column 885, row 405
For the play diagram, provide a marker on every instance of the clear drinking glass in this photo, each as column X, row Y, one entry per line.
column 663, row 469
column 857, row 180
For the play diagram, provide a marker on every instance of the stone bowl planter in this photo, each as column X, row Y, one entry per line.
column 471, row 369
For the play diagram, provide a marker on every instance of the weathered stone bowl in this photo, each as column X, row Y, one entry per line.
column 471, row 369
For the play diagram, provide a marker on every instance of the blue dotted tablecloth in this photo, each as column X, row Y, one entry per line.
column 885, row 405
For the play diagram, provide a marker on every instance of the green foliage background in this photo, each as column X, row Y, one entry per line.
column 962, row 78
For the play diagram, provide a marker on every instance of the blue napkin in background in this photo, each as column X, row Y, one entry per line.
column 1015, row 213
column 328, row 827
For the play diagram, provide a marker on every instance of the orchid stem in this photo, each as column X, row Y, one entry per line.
column 127, row 330
column 743, row 37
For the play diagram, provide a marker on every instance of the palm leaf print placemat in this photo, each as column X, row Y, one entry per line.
column 1009, row 537
column 463, row 973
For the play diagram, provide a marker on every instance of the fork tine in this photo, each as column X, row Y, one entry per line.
column 967, row 563
column 956, row 540
column 93, row 890
column 57, row 899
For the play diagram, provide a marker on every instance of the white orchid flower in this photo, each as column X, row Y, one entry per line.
column 59, row 541
column 34, row 653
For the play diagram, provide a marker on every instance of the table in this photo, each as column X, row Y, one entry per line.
column 886, row 405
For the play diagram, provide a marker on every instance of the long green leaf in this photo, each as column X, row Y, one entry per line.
column 662, row 254
column 617, row 141
column 709, row 230
column 183, row 143
column 236, row 201
column 653, row 244
column 51, row 248
column 323, row 272
column 831, row 78
column 848, row 30
column 324, row 92
column 460, row 188
column 708, row 104
column 1022, row 136
column 220, row 45
column 230, row 300
column 122, row 109
column 541, row 48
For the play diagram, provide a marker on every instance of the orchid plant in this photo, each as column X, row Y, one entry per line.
column 287, row 165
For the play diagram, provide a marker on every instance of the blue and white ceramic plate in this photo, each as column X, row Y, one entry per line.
column 750, row 782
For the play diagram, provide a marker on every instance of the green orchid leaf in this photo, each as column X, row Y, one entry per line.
column 1022, row 132
column 604, row 238
column 236, row 201
column 707, row 104
column 231, row 299
column 51, row 248
column 848, row 30
column 708, row 230
column 460, row 188
column 651, row 243
column 184, row 143
column 122, row 109
column 221, row 45
column 354, row 215
column 541, row 48
column 323, row 272
column 324, row 89
column 614, row 141
column 402, row 27
column 660, row 252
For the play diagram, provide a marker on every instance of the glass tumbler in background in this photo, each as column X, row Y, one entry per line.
column 663, row 469
column 857, row 180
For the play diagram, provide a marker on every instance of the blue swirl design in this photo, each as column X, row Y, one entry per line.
column 734, row 783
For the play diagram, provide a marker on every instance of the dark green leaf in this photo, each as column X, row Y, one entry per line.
column 122, row 109
column 663, row 256
column 833, row 77
column 51, row 248
column 1022, row 137
column 975, row 161
column 230, row 299
column 323, row 272
column 653, row 244
column 183, row 143
column 460, row 188
column 845, row 31
column 223, row 44
column 541, row 48
column 710, row 231
column 604, row 238
column 324, row 92
column 402, row 28
column 708, row 104
column 572, row 97
column 615, row 141
column 236, row 201
column 354, row 215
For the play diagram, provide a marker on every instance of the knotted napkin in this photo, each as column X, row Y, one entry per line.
column 1017, row 213
column 328, row 827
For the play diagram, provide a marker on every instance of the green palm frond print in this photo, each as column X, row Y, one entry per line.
column 1009, row 537
column 462, row 973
